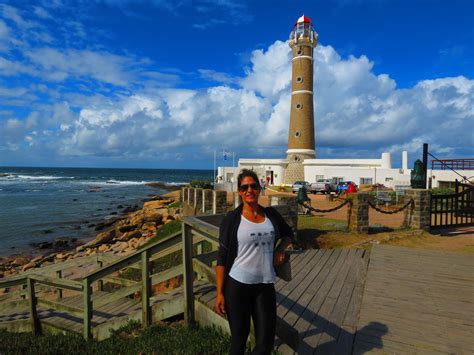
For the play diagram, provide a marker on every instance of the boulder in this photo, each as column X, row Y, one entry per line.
column 128, row 228
column 149, row 226
column 130, row 235
column 61, row 242
column 101, row 238
column 30, row 265
column 45, row 245
column 62, row 256
column 103, row 248
column 20, row 261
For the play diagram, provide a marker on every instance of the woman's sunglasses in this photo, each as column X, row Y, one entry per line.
column 254, row 186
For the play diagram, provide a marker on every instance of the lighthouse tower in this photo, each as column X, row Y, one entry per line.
column 301, row 146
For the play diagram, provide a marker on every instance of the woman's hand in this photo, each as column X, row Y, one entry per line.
column 279, row 257
column 220, row 304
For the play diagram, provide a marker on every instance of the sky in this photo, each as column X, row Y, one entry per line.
column 165, row 84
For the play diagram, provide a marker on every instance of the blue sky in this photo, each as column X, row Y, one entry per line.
column 163, row 84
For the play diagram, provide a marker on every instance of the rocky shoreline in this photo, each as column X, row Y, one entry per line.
column 120, row 235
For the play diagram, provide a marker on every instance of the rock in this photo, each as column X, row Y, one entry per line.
column 101, row 238
column 130, row 235
column 1, row 274
column 128, row 228
column 91, row 225
column 20, row 261
column 121, row 246
column 62, row 256
column 99, row 226
column 61, row 242
column 129, row 209
column 119, row 206
column 90, row 252
column 113, row 213
column 168, row 221
column 37, row 259
column 80, row 248
column 30, row 265
column 149, row 226
column 45, row 245
column 111, row 221
column 103, row 248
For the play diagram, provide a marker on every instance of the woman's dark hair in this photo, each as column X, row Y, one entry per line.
column 245, row 173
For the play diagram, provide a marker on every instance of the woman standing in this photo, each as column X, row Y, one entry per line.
column 245, row 267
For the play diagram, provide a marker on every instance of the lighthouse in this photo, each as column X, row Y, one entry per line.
column 301, row 142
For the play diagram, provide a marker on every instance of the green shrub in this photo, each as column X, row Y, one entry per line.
column 201, row 184
column 442, row 191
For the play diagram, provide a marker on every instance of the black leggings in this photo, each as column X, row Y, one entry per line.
column 243, row 301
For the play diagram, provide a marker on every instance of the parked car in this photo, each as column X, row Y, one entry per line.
column 324, row 186
column 298, row 185
column 343, row 185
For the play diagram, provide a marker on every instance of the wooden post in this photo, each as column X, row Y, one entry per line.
column 146, row 289
column 100, row 283
column 32, row 305
column 425, row 163
column 188, row 274
column 59, row 275
column 87, row 294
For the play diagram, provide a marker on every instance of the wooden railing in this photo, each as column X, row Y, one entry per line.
column 30, row 280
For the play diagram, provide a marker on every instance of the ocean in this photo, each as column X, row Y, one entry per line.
column 42, row 204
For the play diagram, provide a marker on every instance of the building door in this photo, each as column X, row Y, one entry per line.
column 269, row 174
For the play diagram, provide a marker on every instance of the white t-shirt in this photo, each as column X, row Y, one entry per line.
column 254, row 261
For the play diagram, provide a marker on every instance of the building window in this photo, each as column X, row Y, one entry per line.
column 297, row 134
column 365, row 181
column 319, row 177
column 338, row 179
column 299, row 79
column 299, row 52
column 299, row 106
column 388, row 179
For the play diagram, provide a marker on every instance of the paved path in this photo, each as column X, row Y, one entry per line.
column 417, row 301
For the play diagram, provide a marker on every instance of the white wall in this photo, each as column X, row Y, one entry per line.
column 438, row 176
column 387, row 177
column 263, row 167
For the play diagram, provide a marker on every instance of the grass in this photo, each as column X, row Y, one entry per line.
column 161, row 338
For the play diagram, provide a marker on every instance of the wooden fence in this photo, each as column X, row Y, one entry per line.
column 453, row 210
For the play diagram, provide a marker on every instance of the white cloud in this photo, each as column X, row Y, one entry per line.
column 102, row 66
column 357, row 112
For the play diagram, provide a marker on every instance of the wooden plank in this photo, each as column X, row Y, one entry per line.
column 87, row 331
column 32, row 306
column 134, row 257
column 334, row 328
column 305, row 322
column 316, row 288
column 204, row 270
column 146, row 288
column 58, row 306
column 297, row 265
column 321, row 321
column 57, row 283
column 288, row 294
column 188, row 273
column 205, row 227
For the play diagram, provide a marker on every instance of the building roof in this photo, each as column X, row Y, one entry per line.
column 303, row 19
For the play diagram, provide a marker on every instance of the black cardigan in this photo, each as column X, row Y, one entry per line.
column 228, row 245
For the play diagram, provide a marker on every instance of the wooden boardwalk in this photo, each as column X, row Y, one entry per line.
column 417, row 301
column 321, row 302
